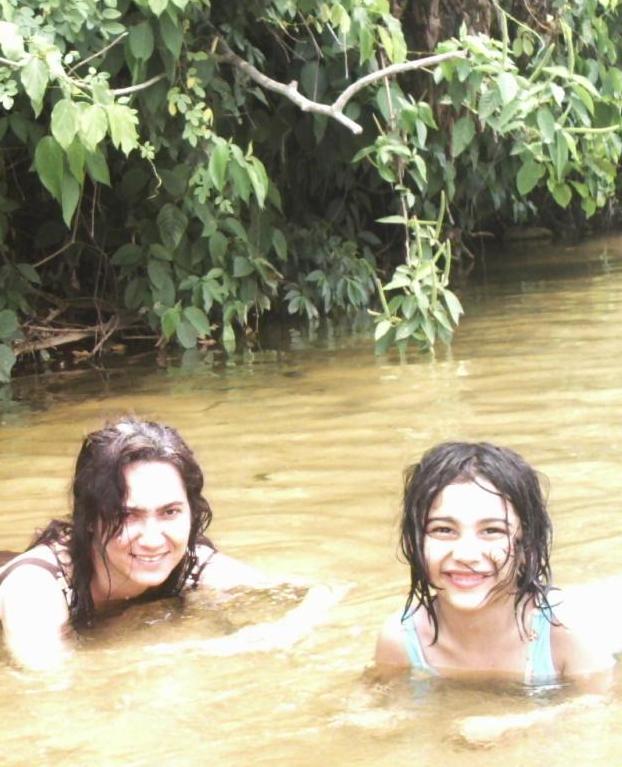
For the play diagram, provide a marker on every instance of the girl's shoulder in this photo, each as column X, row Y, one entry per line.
column 391, row 646
column 580, row 642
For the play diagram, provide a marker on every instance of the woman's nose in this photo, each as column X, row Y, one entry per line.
column 150, row 533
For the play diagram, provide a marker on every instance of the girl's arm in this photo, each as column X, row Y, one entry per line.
column 34, row 618
column 583, row 656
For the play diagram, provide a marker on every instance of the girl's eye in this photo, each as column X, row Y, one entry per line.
column 439, row 530
column 495, row 531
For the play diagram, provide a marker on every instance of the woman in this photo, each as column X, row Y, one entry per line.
column 136, row 533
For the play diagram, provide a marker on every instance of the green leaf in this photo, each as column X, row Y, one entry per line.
column 241, row 181
column 461, row 135
column 34, row 78
column 186, row 334
column 65, row 121
column 160, row 252
column 11, row 41
column 76, row 156
column 140, row 41
column 508, row 87
column 7, row 360
column 169, row 321
column 560, row 155
column 70, row 194
column 134, row 295
column 454, row 306
column 29, row 273
column 172, row 224
column 382, row 328
column 242, row 267
column 158, row 273
column 228, row 337
column 217, row 166
column 93, row 125
column 218, row 246
column 562, row 194
column 8, row 323
column 122, row 120
column 50, row 166
column 280, row 244
column 157, row 6
column 97, row 167
column 528, row 176
column 172, row 35
column 259, row 179
column 405, row 330
column 198, row 319
column 546, row 123
column 127, row 255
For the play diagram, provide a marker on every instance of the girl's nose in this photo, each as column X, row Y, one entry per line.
column 467, row 549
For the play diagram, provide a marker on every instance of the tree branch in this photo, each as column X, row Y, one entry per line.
column 101, row 52
column 334, row 110
column 138, row 86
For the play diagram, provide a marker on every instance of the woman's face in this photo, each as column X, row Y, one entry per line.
column 155, row 534
column 469, row 543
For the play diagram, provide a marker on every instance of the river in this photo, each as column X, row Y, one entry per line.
column 303, row 452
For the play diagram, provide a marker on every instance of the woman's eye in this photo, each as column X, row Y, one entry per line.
column 172, row 512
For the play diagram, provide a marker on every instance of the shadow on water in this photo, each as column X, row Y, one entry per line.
column 304, row 443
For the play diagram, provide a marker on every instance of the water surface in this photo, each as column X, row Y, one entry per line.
column 304, row 451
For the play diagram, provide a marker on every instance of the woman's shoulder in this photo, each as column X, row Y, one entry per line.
column 41, row 556
column 221, row 572
column 30, row 581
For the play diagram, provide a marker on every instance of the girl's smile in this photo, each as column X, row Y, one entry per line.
column 468, row 546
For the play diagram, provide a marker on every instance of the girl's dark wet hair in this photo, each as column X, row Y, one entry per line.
column 99, row 493
column 516, row 482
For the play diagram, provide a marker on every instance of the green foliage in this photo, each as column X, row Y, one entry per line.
column 155, row 176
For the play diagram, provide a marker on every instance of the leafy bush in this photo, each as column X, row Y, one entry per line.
column 158, row 179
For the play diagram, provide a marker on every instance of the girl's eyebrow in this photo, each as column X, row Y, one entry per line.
column 485, row 521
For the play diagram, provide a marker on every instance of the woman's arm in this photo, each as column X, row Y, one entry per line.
column 224, row 573
column 34, row 618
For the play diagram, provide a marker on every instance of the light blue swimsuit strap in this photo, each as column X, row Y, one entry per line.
column 540, row 666
column 413, row 645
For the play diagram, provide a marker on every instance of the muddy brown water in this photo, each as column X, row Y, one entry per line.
column 303, row 452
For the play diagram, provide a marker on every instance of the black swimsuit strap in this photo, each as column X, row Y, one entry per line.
column 55, row 570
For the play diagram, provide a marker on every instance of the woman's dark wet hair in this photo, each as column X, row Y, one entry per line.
column 99, row 493
column 516, row 482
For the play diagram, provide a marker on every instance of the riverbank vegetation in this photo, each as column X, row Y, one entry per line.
column 179, row 169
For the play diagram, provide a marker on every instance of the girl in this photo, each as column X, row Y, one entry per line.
column 476, row 535
column 137, row 532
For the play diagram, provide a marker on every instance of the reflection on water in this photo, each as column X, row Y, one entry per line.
column 304, row 450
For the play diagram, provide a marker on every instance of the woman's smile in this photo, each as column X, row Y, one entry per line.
column 154, row 536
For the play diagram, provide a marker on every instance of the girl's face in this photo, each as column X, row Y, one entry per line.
column 155, row 534
column 469, row 543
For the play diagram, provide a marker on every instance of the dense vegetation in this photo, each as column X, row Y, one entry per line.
column 173, row 165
